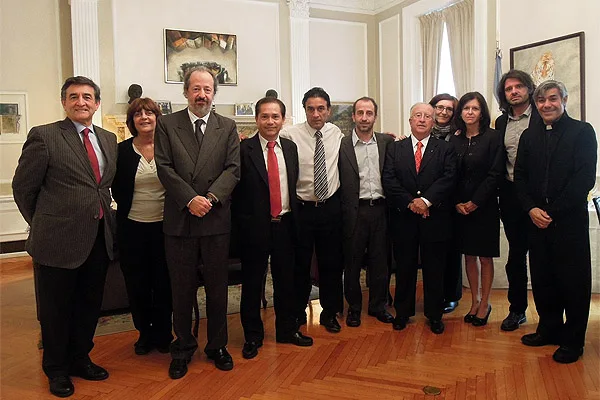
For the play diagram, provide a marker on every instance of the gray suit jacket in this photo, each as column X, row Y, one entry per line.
column 350, row 180
column 186, row 171
column 56, row 191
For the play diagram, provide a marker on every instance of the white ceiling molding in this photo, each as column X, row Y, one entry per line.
column 370, row 7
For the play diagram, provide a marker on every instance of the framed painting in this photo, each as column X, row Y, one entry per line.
column 244, row 110
column 13, row 117
column 189, row 49
column 164, row 106
column 561, row 59
column 341, row 116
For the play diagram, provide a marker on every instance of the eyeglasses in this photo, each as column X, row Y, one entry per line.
column 449, row 110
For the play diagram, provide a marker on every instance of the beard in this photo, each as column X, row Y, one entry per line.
column 200, row 109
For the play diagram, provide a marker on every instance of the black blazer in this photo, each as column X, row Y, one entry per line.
column 124, row 182
column 250, row 201
column 571, row 167
column 479, row 182
column 435, row 181
column 350, row 180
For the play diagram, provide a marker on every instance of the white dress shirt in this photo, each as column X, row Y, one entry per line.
column 194, row 117
column 367, row 157
column 95, row 144
column 304, row 137
column 283, row 179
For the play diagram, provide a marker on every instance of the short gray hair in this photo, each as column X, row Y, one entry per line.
column 419, row 104
column 549, row 85
column 200, row 68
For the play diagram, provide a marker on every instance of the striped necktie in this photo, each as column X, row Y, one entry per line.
column 321, row 189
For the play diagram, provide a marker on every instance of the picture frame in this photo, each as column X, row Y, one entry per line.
column 341, row 116
column 243, row 109
column 562, row 59
column 13, row 117
column 186, row 49
column 164, row 106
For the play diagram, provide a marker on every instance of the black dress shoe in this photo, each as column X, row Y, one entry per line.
column 436, row 326
column 383, row 316
column 142, row 348
column 469, row 318
column 450, row 306
column 513, row 321
column 164, row 348
column 61, row 386
column 567, row 355
column 250, row 349
column 178, row 368
column 298, row 339
column 536, row 340
column 222, row 358
column 482, row 321
column 353, row 319
column 330, row 323
column 89, row 372
column 399, row 323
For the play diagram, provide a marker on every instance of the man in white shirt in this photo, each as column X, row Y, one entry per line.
column 320, row 216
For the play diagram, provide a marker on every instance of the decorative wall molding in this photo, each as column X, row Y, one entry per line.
column 299, row 8
column 370, row 7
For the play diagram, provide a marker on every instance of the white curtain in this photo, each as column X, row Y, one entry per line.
column 432, row 30
column 460, row 27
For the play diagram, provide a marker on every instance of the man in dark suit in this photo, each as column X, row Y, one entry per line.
column 198, row 162
column 61, row 187
column 364, row 213
column 555, row 170
column 515, row 92
column 265, row 209
column 418, row 178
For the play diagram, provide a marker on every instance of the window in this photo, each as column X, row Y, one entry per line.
column 445, row 77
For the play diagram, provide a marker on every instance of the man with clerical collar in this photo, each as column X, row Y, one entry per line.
column 265, row 209
column 364, row 213
column 515, row 92
column 554, row 172
column 419, row 176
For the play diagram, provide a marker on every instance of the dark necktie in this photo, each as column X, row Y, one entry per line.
column 93, row 159
column 418, row 156
column 199, row 134
column 321, row 189
column 274, row 184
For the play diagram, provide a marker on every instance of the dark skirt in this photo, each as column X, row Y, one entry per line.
column 478, row 234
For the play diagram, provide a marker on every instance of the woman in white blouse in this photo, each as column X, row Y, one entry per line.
column 140, row 202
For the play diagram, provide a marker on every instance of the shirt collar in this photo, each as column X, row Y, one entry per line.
column 80, row 127
column 312, row 130
column 355, row 138
column 194, row 117
column 414, row 141
column 527, row 113
column 263, row 141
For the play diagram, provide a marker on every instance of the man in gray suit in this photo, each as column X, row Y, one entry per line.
column 198, row 162
column 61, row 187
column 364, row 213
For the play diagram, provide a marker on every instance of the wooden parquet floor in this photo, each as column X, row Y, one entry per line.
column 369, row 362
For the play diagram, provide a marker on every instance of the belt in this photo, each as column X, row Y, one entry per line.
column 319, row 203
column 371, row 202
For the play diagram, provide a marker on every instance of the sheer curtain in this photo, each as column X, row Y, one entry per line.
column 460, row 27
column 432, row 30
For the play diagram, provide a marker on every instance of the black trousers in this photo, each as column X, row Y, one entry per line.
column 516, row 222
column 561, row 277
column 144, row 266
column 433, row 264
column 69, row 307
column 254, row 266
column 321, row 230
column 370, row 236
column 185, row 255
column 453, row 272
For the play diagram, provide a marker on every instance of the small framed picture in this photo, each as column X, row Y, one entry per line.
column 165, row 106
column 244, row 110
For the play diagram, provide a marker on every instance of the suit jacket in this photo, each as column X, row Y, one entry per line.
column 435, row 182
column 350, row 180
column 124, row 182
column 251, row 202
column 185, row 170
column 559, row 182
column 57, row 193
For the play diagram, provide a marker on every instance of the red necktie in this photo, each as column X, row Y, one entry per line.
column 418, row 156
column 274, row 188
column 93, row 160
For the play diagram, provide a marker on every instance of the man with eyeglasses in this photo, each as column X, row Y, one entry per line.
column 516, row 102
column 418, row 180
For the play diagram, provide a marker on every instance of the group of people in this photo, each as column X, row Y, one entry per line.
column 184, row 179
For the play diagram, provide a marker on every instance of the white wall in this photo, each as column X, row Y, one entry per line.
column 523, row 22
column 338, row 58
column 139, row 54
column 390, row 93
